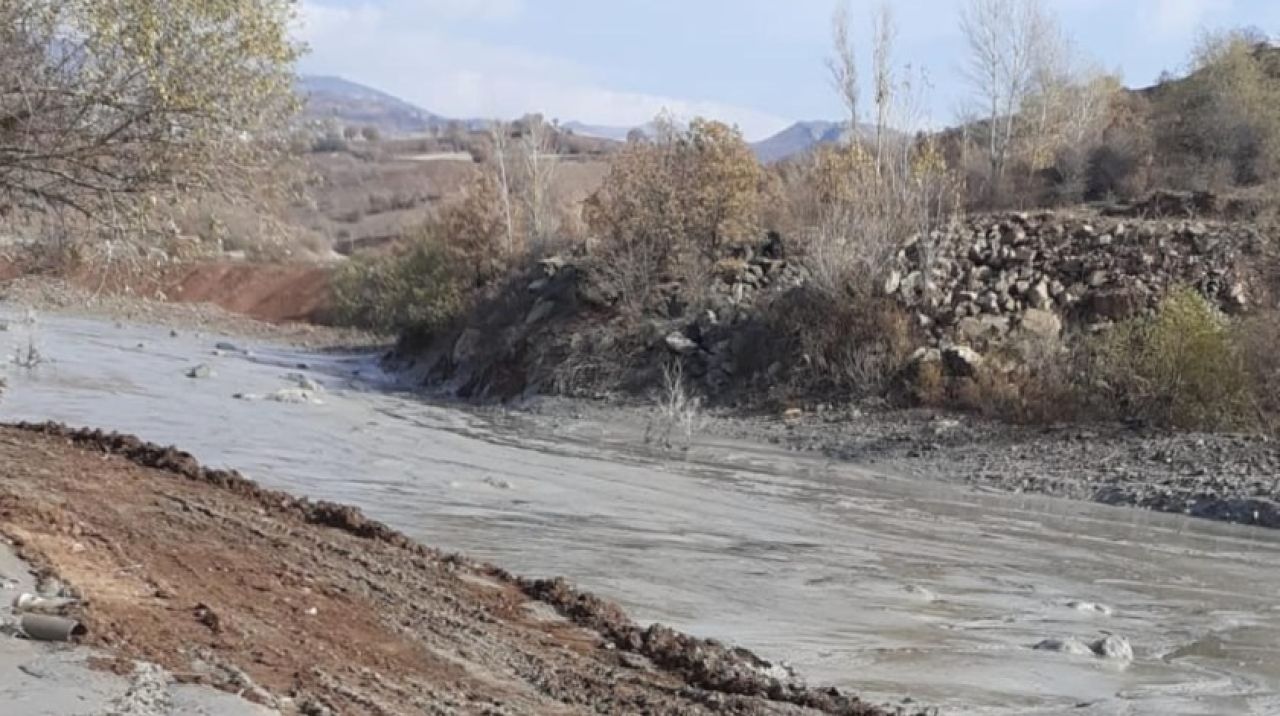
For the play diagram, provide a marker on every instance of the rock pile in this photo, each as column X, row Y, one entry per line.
column 997, row 275
column 985, row 282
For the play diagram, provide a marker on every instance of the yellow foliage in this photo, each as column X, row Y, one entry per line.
column 131, row 101
column 685, row 195
column 1183, row 366
column 702, row 186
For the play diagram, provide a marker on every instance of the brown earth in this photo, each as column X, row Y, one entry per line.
column 314, row 609
column 267, row 292
column 271, row 292
column 45, row 294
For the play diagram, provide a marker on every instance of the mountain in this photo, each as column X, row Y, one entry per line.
column 354, row 104
column 803, row 136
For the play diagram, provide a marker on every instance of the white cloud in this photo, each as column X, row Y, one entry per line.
column 407, row 48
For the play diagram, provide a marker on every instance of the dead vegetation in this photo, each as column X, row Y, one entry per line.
column 678, row 413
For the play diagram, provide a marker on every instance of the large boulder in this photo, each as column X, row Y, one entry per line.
column 961, row 361
column 1111, row 304
column 679, row 343
column 1042, row 324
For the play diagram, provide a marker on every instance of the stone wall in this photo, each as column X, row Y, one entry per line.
column 995, row 275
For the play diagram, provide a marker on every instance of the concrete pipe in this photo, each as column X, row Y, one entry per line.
column 45, row 627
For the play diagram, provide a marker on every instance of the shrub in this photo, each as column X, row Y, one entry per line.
column 854, row 214
column 673, row 202
column 852, row 346
column 1259, row 337
column 420, row 291
column 1183, row 367
column 1036, row 382
column 330, row 143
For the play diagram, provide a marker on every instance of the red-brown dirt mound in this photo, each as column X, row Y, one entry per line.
column 267, row 292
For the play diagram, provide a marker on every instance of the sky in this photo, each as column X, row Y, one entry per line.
column 758, row 64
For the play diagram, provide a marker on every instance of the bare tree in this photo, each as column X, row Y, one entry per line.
column 843, row 65
column 1008, row 42
column 539, row 163
column 882, row 55
column 861, row 209
column 501, row 134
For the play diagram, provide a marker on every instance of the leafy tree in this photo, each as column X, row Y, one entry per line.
column 681, row 198
column 108, row 106
column 1223, row 114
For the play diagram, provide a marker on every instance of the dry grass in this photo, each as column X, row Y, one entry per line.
column 1185, row 366
column 849, row 347
column 679, row 413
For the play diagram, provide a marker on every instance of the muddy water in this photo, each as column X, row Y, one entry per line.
column 889, row 586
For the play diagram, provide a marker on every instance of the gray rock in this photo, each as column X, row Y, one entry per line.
column 1090, row 607
column 961, row 361
column 925, row 355
column 296, row 396
column 679, row 343
column 1238, row 296
column 982, row 328
column 1038, row 297
column 1043, row 324
column 540, row 311
column 551, row 265
column 911, row 285
column 892, row 282
column 1114, row 647
column 200, row 371
column 1070, row 645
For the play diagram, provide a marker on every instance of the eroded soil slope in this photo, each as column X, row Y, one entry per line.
column 311, row 608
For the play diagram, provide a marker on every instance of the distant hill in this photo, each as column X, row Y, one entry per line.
column 796, row 139
column 617, row 134
column 599, row 131
column 802, row 137
column 353, row 104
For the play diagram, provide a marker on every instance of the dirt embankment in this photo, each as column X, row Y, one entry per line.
column 275, row 293
column 44, row 294
column 272, row 292
column 267, row 292
column 312, row 608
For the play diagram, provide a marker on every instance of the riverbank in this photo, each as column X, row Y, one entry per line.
column 311, row 608
column 46, row 295
column 857, row 578
column 1224, row 477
